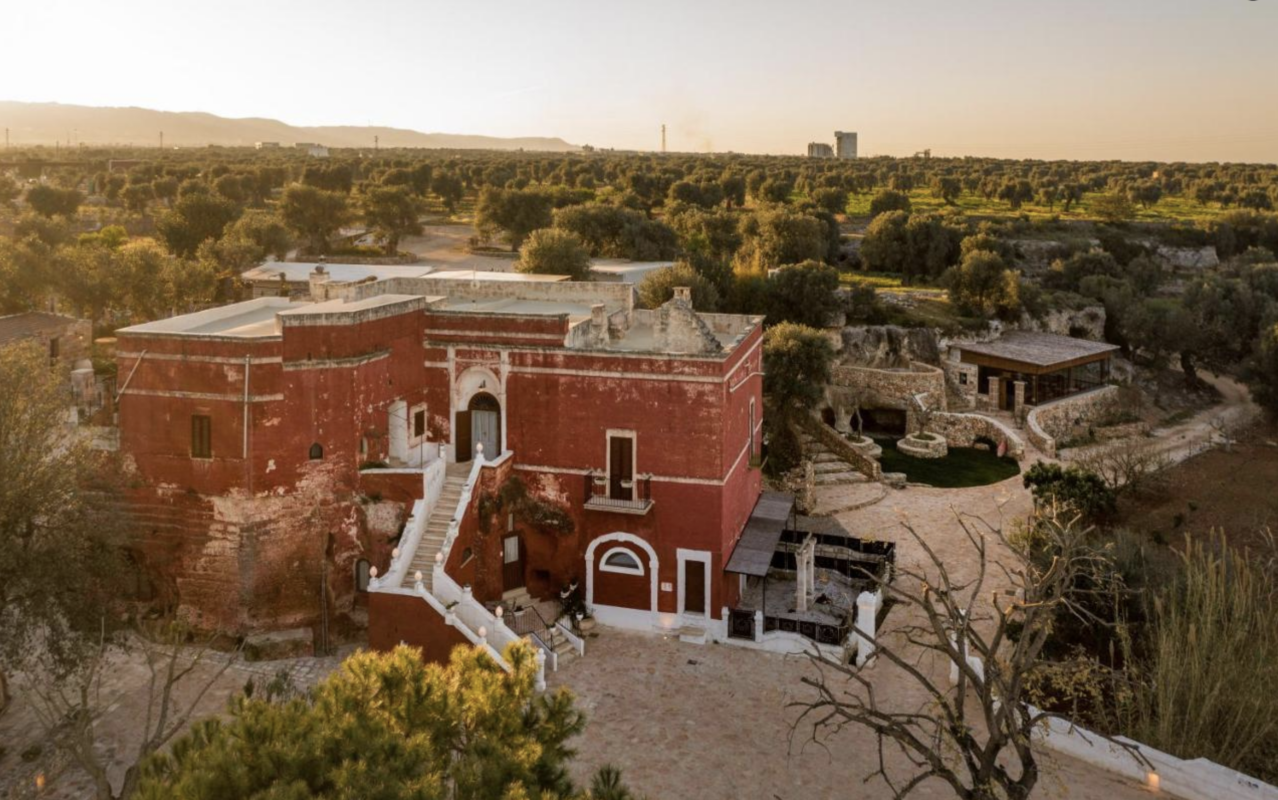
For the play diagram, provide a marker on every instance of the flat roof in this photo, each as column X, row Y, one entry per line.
column 488, row 275
column 247, row 319
column 628, row 271
column 340, row 306
column 753, row 553
column 31, row 323
column 300, row 271
column 1039, row 349
column 514, row 305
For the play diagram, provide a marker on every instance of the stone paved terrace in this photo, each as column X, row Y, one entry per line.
column 711, row 722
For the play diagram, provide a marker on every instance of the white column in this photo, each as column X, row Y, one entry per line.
column 867, row 610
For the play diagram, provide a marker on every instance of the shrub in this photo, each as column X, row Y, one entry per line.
column 1071, row 488
column 889, row 200
column 550, row 251
column 658, row 287
column 1213, row 662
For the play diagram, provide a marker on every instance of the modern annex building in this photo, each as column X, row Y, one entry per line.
column 442, row 443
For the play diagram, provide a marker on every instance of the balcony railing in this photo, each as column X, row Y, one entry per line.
column 598, row 499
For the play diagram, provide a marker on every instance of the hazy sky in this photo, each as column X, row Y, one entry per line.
column 1133, row 79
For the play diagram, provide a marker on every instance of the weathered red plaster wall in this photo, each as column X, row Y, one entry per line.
column 616, row 589
column 396, row 618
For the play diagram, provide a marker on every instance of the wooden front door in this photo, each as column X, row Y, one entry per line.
column 512, row 568
column 694, row 587
column 621, row 461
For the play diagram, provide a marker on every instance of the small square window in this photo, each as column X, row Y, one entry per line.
column 963, row 379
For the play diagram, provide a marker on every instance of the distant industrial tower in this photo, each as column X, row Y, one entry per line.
column 845, row 144
column 820, row 150
column 663, row 137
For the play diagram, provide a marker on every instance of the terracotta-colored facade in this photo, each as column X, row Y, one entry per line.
column 315, row 422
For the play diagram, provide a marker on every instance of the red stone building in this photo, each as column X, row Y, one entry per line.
column 515, row 438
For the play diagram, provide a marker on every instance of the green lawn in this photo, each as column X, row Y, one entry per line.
column 963, row 467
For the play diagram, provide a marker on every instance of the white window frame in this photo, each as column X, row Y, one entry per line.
column 683, row 556
column 618, row 433
column 604, row 566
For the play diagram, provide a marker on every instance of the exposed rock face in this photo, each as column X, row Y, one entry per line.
column 1035, row 256
column 886, row 346
column 1085, row 323
column 1194, row 258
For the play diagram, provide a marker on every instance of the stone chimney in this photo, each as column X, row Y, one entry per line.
column 684, row 293
column 319, row 283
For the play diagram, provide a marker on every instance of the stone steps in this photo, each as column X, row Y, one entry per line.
column 840, row 478
column 437, row 524
column 692, row 634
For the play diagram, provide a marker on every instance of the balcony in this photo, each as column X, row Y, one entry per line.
column 598, row 498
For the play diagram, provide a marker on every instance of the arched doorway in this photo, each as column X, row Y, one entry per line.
column 480, row 423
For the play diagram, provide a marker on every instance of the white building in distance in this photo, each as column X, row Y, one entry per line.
column 845, row 144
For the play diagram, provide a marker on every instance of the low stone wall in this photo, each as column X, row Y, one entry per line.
column 934, row 446
column 1047, row 423
column 840, row 446
column 892, row 388
column 962, row 430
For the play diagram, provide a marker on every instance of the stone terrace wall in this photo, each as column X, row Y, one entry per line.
column 831, row 438
column 962, row 430
column 1045, row 424
column 891, row 388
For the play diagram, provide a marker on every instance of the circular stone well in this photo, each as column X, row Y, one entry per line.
column 931, row 447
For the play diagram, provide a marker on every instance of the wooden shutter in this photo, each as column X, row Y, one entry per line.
column 201, row 436
column 620, row 467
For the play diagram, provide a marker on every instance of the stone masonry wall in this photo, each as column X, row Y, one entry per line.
column 963, row 430
column 1047, row 423
column 892, row 388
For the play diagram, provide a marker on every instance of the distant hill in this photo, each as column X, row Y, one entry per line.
column 47, row 123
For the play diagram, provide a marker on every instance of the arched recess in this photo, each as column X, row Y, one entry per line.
column 628, row 538
column 480, row 422
column 472, row 383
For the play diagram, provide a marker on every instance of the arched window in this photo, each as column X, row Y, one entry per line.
column 620, row 559
column 361, row 575
column 317, row 451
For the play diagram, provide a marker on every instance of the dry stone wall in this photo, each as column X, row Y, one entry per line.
column 963, row 430
column 1046, row 424
column 893, row 387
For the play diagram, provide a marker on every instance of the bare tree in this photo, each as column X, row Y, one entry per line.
column 70, row 709
column 973, row 731
column 923, row 412
column 1128, row 465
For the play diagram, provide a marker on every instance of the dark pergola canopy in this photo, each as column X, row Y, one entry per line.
column 753, row 554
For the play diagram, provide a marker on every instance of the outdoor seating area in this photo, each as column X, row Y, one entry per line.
column 810, row 581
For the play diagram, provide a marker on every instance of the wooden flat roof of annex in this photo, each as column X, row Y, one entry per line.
column 1034, row 352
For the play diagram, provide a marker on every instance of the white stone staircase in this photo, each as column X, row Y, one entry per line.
column 436, row 529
